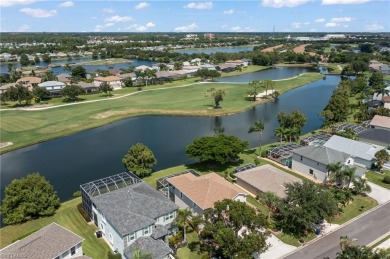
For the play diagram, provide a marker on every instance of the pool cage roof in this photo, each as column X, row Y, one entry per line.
column 344, row 126
column 319, row 138
column 109, row 184
column 244, row 168
column 283, row 151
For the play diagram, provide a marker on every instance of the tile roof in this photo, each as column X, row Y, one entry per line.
column 380, row 121
column 134, row 207
column 30, row 79
column 352, row 147
column 157, row 248
column 48, row 242
column 321, row 154
column 107, row 78
column 386, row 99
column 205, row 190
column 267, row 178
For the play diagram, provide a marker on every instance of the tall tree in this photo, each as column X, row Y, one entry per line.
column 24, row 61
column 105, row 88
column 335, row 172
column 281, row 133
column 19, row 93
column 139, row 160
column 28, row 198
column 255, row 86
column 78, row 72
column 71, row 92
column 218, row 97
column 182, row 218
column 268, row 85
column 360, row 185
column 382, row 156
column 46, row 58
column 271, row 200
column 258, row 127
column 40, row 94
column 232, row 229
column 350, row 250
column 127, row 82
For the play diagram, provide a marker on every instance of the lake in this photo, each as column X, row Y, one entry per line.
column 70, row 161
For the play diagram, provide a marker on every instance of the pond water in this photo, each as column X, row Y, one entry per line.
column 70, row 161
column 217, row 49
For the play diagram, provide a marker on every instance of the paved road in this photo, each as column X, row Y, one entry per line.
column 366, row 229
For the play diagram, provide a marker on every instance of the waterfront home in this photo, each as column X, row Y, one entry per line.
column 265, row 178
column 363, row 153
column 142, row 67
column 313, row 161
column 29, row 81
column 54, row 87
column 380, row 122
column 88, row 87
column 52, row 241
column 64, row 78
column 226, row 67
column 114, row 81
column 5, row 87
column 199, row 193
column 125, row 209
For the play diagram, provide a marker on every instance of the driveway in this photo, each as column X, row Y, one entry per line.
column 378, row 193
column 277, row 249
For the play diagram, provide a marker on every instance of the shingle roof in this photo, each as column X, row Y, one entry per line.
column 352, row 147
column 134, row 207
column 380, row 121
column 322, row 154
column 205, row 190
column 376, row 135
column 48, row 242
column 157, row 248
column 267, row 178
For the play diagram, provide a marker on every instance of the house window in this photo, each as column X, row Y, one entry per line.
column 301, row 158
column 73, row 250
column 181, row 195
column 170, row 216
column 146, row 231
column 194, row 205
column 318, row 163
column 131, row 237
column 311, row 172
column 111, row 239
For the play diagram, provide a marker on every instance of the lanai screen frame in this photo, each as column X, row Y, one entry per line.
column 105, row 185
column 279, row 153
column 318, row 138
column 162, row 183
column 344, row 125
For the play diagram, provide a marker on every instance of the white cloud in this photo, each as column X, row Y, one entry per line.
column 224, row 26
column 341, row 19
column 138, row 27
column 331, row 24
column 5, row 3
column 39, row 13
column 185, row 28
column 320, row 20
column 283, row 3
column 100, row 27
column 118, row 18
column 373, row 27
column 331, row 2
column 241, row 29
column 23, row 28
column 200, row 5
column 306, row 23
column 66, row 4
column 231, row 11
column 141, row 6
column 296, row 25
column 108, row 10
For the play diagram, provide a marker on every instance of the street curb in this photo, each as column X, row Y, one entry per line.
column 379, row 239
column 344, row 224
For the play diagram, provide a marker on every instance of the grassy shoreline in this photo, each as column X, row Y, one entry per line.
column 25, row 128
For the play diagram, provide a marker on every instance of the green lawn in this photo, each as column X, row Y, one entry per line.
column 378, row 178
column 66, row 216
column 29, row 127
column 290, row 240
column 246, row 70
column 359, row 205
column 262, row 208
column 387, row 77
column 191, row 251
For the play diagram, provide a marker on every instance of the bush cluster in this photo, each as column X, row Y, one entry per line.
column 386, row 179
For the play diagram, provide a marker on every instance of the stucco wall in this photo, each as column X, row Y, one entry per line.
column 304, row 166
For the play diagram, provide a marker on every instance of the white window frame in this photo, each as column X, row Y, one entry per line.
column 146, row 231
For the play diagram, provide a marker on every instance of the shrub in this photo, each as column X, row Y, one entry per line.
column 386, row 179
column 83, row 213
column 76, row 194
column 257, row 161
column 111, row 255
column 264, row 153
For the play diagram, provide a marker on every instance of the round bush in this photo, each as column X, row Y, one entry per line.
column 386, row 179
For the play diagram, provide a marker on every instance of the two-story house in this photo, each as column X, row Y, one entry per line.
column 125, row 209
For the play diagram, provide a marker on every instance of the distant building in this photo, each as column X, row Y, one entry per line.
column 29, row 81
column 52, row 241
column 114, row 81
column 54, row 87
column 209, row 36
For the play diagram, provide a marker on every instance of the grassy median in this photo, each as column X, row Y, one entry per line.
column 25, row 128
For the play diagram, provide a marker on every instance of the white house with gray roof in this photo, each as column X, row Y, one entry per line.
column 363, row 153
column 313, row 161
column 129, row 209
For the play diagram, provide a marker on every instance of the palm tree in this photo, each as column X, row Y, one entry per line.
column 292, row 134
column 334, row 172
column 268, row 85
column 258, row 127
column 360, row 185
column 182, row 220
column 256, row 84
column 381, row 157
column 281, row 133
column 349, row 174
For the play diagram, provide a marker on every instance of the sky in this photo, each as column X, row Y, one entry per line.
column 195, row 16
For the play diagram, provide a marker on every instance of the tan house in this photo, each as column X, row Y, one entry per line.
column 386, row 101
column 52, row 241
column 380, row 122
column 114, row 81
column 29, row 81
column 64, row 78
column 199, row 193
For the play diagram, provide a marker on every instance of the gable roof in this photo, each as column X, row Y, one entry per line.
column 267, row 178
column 352, row 147
column 321, row 154
column 157, row 248
column 107, row 78
column 205, row 190
column 48, row 242
column 134, row 207
column 380, row 121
